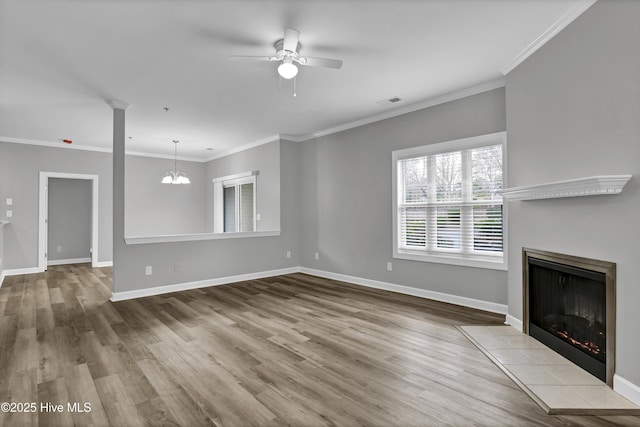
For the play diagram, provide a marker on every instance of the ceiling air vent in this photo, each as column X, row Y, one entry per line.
column 389, row 101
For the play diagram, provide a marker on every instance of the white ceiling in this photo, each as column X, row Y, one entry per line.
column 62, row 60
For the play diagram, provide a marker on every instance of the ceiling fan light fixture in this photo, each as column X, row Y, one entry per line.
column 287, row 69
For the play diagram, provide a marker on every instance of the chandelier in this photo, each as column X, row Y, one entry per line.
column 175, row 176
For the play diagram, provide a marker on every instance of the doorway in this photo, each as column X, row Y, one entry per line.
column 56, row 255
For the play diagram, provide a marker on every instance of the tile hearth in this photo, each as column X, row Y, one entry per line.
column 555, row 383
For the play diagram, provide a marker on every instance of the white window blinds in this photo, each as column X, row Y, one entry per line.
column 448, row 202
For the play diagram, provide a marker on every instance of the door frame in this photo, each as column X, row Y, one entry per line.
column 43, row 215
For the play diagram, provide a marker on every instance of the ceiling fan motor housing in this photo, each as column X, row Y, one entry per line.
column 281, row 53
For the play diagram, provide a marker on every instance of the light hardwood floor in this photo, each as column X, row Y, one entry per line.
column 290, row 350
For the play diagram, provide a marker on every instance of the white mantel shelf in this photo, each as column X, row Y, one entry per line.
column 588, row 186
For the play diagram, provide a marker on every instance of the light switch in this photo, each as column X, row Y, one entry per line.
column 9, row 202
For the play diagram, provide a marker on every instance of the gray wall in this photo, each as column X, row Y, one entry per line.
column 201, row 260
column 153, row 208
column 346, row 200
column 573, row 110
column 20, row 166
column 69, row 219
column 263, row 158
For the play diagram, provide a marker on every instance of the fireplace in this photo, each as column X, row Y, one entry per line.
column 569, row 305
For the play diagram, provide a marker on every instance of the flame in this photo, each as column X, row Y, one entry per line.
column 586, row 345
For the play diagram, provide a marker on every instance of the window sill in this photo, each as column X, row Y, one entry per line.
column 170, row 238
column 453, row 259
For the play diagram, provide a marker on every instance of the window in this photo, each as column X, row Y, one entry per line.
column 238, row 207
column 446, row 203
column 235, row 203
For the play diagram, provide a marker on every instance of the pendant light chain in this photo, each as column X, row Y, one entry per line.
column 175, row 156
column 174, row 176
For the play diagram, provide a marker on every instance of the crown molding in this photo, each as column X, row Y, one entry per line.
column 163, row 156
column 431, row 102
column 587, row 186
column 253, row 144
column 52, row 144
column 295, row 138
column 548, row 34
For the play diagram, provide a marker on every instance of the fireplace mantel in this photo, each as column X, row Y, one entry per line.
column 588, row 186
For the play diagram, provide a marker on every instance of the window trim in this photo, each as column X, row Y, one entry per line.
column 442, row 256
column 249, row 177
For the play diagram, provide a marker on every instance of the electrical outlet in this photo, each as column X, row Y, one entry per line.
column 149, row 270
column 389, row 266
column 257, row 217
column 317, row 255
column 288, row 254
column 9, row 202
column 177, row 267
column 59, row 249
column 9, row 213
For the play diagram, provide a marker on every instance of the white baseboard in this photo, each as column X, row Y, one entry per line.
column 102, row 264
column 423, row 293
column 437, row 296
column 627, row 389
column 68, row 261
column 19, row 271
column 16, row 272
column 514, row 321
column 158, row 290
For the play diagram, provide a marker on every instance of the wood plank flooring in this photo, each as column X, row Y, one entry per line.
column 291, row 350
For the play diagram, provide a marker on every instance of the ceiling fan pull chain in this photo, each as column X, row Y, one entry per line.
column 295, row 87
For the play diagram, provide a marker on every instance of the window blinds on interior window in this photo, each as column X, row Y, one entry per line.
column 246, row 207
column 229, row 209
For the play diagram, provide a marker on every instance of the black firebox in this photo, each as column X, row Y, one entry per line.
column 569, row 304
column 568, row 312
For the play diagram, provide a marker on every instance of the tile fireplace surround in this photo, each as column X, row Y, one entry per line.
column 553, row 382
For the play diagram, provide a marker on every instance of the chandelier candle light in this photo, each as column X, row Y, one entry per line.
column 175, row 176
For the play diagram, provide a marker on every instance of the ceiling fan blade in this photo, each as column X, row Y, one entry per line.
column 291, row 38
column 321, row 62
column 253, row 58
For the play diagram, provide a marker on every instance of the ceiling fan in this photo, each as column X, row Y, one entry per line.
column 288, row 53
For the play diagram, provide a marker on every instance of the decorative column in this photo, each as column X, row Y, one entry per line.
column 119, row 245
